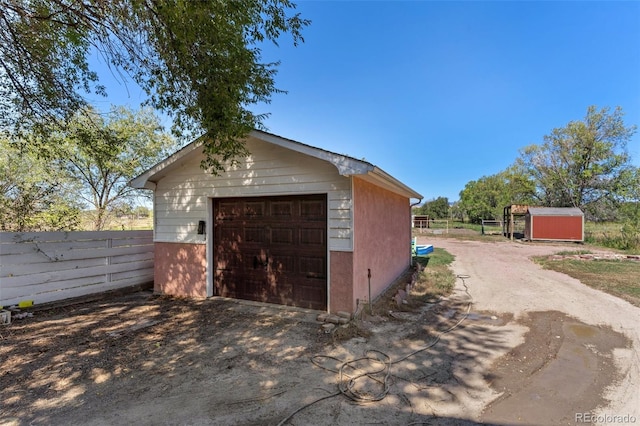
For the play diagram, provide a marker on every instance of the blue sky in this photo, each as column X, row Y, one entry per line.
column 441, row 93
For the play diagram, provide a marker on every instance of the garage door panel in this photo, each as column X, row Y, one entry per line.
column 312, row 236
column 255, row 260
column 272, row 249
column 227, row 210
column 253, row 287
column 255, row 208
column 309, row 293
column 312, row 267
column 226, row 282
column 283, row 235
column 230, row 234
column 226, row 264
column 313, row 210
column 255, row 234
column 251, row 260
column 279, row 291
column 228, row 256
column 284, row 264
column 281, row 209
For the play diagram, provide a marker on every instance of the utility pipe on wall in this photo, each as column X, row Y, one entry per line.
column 411, row 222
column 370, row 301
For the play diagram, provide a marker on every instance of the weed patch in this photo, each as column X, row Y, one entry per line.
column 620, row 236
column 435, row 278
column 573, row 252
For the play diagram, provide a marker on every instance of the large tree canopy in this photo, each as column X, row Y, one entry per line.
column 198, row 61
column 584, row 164
column 486, row 197
column 102, row 154
column 87, row 164
column 34, row 196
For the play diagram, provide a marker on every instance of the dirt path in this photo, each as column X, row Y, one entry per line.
column 534, row 347
column 581, row 349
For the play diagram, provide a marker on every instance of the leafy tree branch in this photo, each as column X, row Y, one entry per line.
column 198, row 61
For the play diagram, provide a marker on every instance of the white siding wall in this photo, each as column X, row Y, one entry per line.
column 181, row 197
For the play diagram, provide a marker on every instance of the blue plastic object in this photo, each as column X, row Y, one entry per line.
column 423, row 250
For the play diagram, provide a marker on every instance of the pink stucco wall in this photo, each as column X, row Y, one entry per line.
column 382, row 237
column 180, row 269
column 341, row 290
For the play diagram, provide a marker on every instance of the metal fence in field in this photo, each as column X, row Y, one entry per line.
column 492, row 227
column 433, row 226
column 51, row 266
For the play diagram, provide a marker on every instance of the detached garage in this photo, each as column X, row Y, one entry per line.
column 290, row 224
column 554, row 224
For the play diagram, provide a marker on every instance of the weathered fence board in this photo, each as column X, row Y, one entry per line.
column 69, row 274
column 81, row 291
column 11, row 270
column 50, row 266
column 39, row 255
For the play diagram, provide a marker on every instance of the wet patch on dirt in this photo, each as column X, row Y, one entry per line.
column 563, row 367
column 490, row 318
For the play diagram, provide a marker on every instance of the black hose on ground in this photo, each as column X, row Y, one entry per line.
column 374, row 366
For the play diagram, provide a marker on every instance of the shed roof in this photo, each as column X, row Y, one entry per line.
column 555, row 211
column 347, row 166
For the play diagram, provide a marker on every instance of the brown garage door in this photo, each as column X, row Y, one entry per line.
column 272, row 249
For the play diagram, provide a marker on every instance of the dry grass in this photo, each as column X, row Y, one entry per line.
column 620, row 278
column 433, row 279
column 613, row 235
column 600, row 234
column 123, row 223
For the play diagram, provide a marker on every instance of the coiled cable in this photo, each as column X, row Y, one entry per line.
column 374, row 366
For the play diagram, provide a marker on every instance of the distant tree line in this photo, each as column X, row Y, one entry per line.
column 585, row 164
column 50, row 180
column 438, row 208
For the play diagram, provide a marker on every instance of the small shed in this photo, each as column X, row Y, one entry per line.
column 554, row 224
column 290, row 224
column 420, row 221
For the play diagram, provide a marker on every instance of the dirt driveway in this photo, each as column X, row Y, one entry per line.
column 517, row 345
column 579, row 344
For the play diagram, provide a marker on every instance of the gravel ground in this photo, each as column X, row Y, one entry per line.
column 513, row 344
column 599, row 330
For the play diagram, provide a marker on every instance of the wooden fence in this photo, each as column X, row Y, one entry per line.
column 50, row 266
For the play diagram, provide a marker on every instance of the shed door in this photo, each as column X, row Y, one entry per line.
column 272, row 249
column 562, row 228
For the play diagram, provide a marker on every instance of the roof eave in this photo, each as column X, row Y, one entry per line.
column 389, row 182
column 143, row 181
column 346, row 166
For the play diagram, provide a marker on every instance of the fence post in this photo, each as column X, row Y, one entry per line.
column 108, row 259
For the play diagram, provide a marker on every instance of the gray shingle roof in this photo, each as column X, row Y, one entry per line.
column 555, row 211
